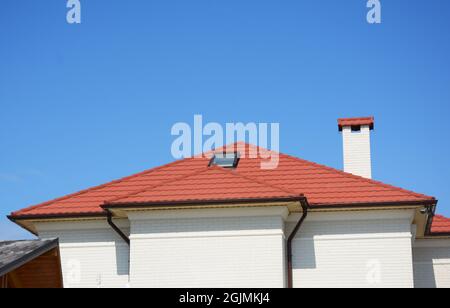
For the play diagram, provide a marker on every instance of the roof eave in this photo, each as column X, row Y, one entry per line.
column 15, row 218
column 425, row 202
column 439, row 234
column 117, row 205
column 120, row 205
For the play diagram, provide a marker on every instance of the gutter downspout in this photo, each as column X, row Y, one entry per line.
column 116, row 228
column 122, row 235
column 431, row 213
column 305, row 206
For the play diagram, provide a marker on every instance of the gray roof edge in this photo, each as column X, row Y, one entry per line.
column 51, row 243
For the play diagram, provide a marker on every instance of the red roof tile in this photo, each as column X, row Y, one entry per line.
column 191, row 180
column 440, row 225
column 207, row 184
column 356, row 122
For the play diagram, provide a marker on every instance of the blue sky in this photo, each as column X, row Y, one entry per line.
column 85, row 104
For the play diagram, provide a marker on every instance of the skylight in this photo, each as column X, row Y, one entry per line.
column 225, row 160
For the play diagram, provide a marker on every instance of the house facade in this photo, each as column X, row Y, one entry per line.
column 219, row 220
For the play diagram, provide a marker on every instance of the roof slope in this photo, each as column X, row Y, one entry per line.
column 207, row 184
column 191, row 179
column 440, row 225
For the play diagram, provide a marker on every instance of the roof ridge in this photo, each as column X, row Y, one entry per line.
column 353, row 176
column 47, row 203
column 199, row 171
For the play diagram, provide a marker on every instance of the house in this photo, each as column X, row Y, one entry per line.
column 222, row 221
column 30, row 264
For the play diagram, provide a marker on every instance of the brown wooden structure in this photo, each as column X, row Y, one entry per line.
column 30, row 264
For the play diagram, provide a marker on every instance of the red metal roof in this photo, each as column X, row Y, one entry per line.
column 191, row 180
column 440, row 225
column 356, row 122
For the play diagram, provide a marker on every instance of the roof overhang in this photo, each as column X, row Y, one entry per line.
column 437, row 236
column 27, row 221
column 423, row 217
column 294, row 205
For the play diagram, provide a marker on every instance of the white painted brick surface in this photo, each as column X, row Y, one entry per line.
column 92, row 254
column 357, row 156
column 208, row 252
column 246, row 248
column 353, row 253
column 432, row 263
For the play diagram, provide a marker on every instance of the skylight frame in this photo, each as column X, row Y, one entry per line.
column 227, row 162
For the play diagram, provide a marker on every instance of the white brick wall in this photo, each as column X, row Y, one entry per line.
column 246, row 248
column 357, row 156
column 350, row 249
column 200, row 248
column 92, row 254
column 432, row 263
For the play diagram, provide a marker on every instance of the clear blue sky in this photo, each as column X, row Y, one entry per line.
column 85, row 104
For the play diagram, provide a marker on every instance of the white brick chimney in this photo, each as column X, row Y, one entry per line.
column 356, row 138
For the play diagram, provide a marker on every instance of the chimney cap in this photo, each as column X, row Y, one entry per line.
column 370, row 121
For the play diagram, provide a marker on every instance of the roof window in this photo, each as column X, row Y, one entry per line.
column 225, row 160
